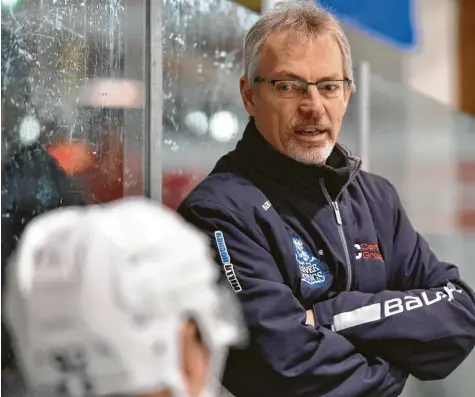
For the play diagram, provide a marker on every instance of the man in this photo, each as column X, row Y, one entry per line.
column 342, row 297
column 98, row 304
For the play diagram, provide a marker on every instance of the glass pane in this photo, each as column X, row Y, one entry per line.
column 428, row 151
column 72, row 111
column 73, row 74
column 203, row 114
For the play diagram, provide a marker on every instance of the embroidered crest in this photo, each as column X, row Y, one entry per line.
column 313, row 269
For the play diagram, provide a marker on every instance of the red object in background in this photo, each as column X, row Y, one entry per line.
column 107, row 183
column 466, row 212
column 74, row 157
column 177, row 184
column 101, row 175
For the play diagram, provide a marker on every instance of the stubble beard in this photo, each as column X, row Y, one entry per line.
column 309, row 152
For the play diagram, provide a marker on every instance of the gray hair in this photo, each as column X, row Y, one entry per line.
column 303, row 18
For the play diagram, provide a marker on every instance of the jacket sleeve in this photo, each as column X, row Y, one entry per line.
column 285, row 357
column 425, row 324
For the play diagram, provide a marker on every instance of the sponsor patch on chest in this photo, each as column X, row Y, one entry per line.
column 313, row 269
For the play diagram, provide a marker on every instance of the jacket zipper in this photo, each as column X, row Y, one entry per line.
column 339, row 225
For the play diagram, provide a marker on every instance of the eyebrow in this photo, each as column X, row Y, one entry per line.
column 294, row 76
column 289, row 75
column 332, row 77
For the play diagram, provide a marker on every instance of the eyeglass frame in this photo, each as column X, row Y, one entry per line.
column 258, row 80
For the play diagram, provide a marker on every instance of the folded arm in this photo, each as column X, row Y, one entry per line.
column 425, row 324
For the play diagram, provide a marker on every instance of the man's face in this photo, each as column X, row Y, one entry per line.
column 304, row 128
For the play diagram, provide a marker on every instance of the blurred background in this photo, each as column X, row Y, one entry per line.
column 141, row 97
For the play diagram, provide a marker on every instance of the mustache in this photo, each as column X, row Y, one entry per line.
column 299, row 124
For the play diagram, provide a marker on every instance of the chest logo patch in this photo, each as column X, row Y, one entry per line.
column 313, row 269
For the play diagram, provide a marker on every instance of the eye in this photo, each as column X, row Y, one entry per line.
column 289, row 89
column 331, row 87
column 286, row 86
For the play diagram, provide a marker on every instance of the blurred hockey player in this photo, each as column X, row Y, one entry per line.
column 118, row 299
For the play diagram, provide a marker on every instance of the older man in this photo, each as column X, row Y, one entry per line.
column 342, row 296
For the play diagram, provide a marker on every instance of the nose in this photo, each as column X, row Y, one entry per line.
column 311, row 104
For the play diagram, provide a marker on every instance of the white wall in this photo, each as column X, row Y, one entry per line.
column 431, row 68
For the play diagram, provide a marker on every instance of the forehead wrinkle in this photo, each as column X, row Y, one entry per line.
column 283, row 51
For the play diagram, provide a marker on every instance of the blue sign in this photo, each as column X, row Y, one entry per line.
column 389, row 20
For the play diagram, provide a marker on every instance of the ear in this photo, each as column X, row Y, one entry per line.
column 194, row 359
column 247, row 94
column 348, row 93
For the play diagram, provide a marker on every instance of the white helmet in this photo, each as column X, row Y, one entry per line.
column 96, row 297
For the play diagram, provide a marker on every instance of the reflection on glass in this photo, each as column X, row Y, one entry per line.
column 72, row 113
column 68, row 85
column 203, row 114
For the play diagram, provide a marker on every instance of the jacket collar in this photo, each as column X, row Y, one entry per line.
column 337, row 173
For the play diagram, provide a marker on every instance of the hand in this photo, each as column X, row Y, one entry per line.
column 311, row 319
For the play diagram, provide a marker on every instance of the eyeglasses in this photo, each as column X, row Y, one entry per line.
column 291, row 89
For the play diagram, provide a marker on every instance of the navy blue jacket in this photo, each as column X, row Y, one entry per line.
column 291, row 237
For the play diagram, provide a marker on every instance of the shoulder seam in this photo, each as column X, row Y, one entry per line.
column 230, row 211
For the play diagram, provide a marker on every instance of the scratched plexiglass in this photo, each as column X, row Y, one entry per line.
column 72, row 75
column 203, row 115
column 72, row 81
